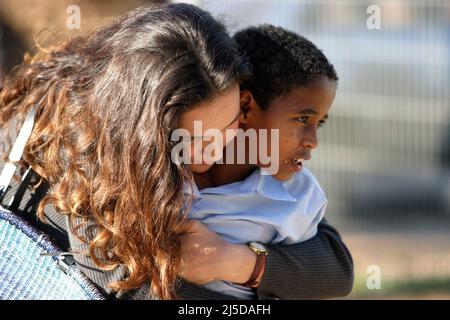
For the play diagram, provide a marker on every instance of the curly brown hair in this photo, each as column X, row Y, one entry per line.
column 107, row 103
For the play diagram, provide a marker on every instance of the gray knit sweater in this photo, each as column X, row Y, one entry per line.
column 318, row 268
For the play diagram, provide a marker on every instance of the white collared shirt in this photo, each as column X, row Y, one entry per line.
column 260, row 208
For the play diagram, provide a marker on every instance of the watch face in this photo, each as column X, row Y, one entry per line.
column 258, row 246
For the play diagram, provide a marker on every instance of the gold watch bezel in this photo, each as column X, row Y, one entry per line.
column 258, row 247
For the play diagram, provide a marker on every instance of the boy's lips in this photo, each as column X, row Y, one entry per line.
column 297, row 162
column 296, row 165
column 302, row 156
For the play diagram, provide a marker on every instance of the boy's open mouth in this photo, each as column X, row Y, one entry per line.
column 298, row 162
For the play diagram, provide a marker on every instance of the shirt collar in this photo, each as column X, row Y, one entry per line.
column 192, row 189
column 266, row 185
column 274, row 189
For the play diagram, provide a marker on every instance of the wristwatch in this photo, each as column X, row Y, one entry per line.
column 261, row 257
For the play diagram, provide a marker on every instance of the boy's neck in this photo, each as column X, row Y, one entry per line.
column 224, row 173
column 229, row 173
column 221, row 174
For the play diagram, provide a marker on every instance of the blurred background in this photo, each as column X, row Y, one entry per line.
column 384, row 156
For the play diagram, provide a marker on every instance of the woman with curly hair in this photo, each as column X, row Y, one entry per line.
column 106, row 105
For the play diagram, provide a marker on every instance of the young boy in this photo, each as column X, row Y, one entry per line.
column 291, row 90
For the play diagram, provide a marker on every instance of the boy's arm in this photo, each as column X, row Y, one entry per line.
column 314, row 225
column 319, row 268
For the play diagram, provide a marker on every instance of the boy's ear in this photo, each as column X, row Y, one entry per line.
column 248, row 104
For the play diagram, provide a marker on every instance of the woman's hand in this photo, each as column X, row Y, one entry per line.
column 206, row 257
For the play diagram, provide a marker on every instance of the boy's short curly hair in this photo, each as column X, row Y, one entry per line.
column 280, row 60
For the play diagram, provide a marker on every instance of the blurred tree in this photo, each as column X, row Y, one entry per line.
column 24, row 20
column 11, row 50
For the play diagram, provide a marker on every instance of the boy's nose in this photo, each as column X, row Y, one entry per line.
column 310, row 139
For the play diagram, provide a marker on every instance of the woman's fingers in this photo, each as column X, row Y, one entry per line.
column 202, row 250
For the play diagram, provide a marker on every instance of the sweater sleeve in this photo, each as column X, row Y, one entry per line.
column 319, row 268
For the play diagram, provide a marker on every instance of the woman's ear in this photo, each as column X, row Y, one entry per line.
column 248, row 104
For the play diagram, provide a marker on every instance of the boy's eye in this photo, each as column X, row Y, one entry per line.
column 303, row 119
column 321, row 123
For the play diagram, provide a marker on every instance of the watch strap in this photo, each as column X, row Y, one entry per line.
column 259, row 266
